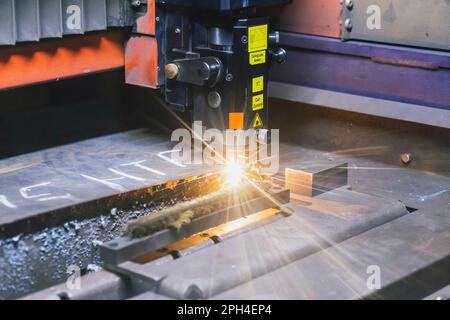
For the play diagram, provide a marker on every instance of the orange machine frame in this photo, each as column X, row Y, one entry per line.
column 52, row 60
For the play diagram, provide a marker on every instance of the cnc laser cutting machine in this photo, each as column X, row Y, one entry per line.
column 350, row 97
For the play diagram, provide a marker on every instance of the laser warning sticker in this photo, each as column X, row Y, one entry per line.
column 257, row 57
column 258, row 102
column 257, row 122
column 258, row 84
column 257, row 38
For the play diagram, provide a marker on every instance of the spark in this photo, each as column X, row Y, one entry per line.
column 234, row 173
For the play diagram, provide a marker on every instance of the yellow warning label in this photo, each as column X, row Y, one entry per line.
column 258, row 84
column 257, row 38
column 257, row 57
column 257, row 122
column 258, row 102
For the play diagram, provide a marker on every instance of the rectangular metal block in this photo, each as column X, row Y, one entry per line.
column 315, row 17
column 141, row 61
column 404, row 22
column 312, row 179
column 27, row 20
column 7, row 22
column 50, row 19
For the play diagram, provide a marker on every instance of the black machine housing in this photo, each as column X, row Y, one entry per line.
column 216, row 65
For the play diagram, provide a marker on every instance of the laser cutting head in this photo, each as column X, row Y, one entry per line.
column 215, row 57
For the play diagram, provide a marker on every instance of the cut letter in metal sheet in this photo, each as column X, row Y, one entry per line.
column 405, row 22
column 410, row 256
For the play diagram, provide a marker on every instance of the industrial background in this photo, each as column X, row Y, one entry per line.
column 90, row 92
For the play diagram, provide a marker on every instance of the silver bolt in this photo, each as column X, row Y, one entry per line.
column 349, row 4
column 229, row 77
column 407, row 158
column 244, row 39
column 136, row 3
column 157, row 19
column 177, row 30
column 348, row 24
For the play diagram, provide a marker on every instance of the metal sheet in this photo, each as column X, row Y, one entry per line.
column 101, row 285
column 122, row 249
column 81, row 172
column 261, row 250
column 411, row 254
column 442, row 294
column 404, row 22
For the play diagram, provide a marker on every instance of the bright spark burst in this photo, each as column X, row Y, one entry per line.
column 234, row 173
